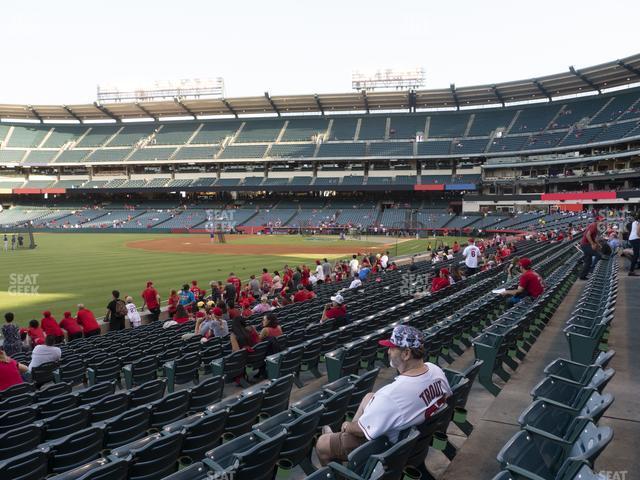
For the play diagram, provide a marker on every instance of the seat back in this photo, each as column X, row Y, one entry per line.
column 144, row 370
column 67, row 422
column 100, row 469
column 389, row 464
column 169, row 409
column 57, row 404
column 158, row 457
column 43, row 373
column 17, row 418
column 186, row 368
column 438, row 422
column 205, row 393
column 71, row 372
column 231, row 366
column 260, row 463
column 335, row 407
column 244, row 412
column 276, row 395
column 361, row 386
column 301, row 429
column 96, row 392
column 147, row 392
column 127, row 427
column 19, row 440
column 106, row 371
column 76, row 449
column 109, row 406
column 17, row 401
column 202, row 432
column 51, row 391
column 591, row 442
column 255, row 358
column 18, row 389
column 28, row 466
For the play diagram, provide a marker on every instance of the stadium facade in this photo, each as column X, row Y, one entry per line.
column 563, row 141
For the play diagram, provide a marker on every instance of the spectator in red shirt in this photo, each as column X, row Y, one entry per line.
column 235, row 281
column 232, row 311
column 590, row 247
column 36, row 334
column 10, row 371
column 529, row 285
column 300, row 295
column 51, row 327
column 87, row 320
column 266, row 280
column 310, row 293
column 70, row 324
column 181, row 315
column 151, row 299
column 336, row 310
column 197, row 292
column 441, row 281
column 173, row 302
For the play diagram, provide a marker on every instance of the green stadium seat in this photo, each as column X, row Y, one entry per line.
column 584, row 342
column 51, row 391
column 17, row 417
column 154, row 456
column 19, row 440
column 76, row 449
column 559, row 423
column 532, row 456
column 43, row 373
column 380, row 459
column 202, row 432
column 58, row 404
column 126, row 427
column 105, row 371
column 109, row 407
column 335, row 405
column 33, row 465
column 140, row 371
column 169, row 409
column 344, row 361
column 17, row 401
column 182, row 370
column 100, row 469
column 231, row 367
column 206, row 393
column 284, row 363
column 300, row 428
column 73, row 372
column 310, row 359
column 66, row 423
column 95, row 393
column 18, row 389
column 251, row 456
column 242, row 410
column 276, row 395
column 147, row 392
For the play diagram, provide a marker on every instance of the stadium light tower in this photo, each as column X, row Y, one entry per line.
column 161, row 90
column 388, row 79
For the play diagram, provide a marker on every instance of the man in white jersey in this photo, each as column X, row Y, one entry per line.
column 418, row 392
column 471, row 255
column 353, row 265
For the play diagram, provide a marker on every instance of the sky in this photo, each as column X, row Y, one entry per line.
column 57, row 52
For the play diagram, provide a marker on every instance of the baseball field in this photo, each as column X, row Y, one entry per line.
column 70, row 268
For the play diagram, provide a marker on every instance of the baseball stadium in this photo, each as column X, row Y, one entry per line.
column 396, row 281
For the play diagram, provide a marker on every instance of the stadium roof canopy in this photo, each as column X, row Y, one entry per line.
column 593, row 79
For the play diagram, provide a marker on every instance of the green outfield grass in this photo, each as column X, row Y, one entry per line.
column 70, row 268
